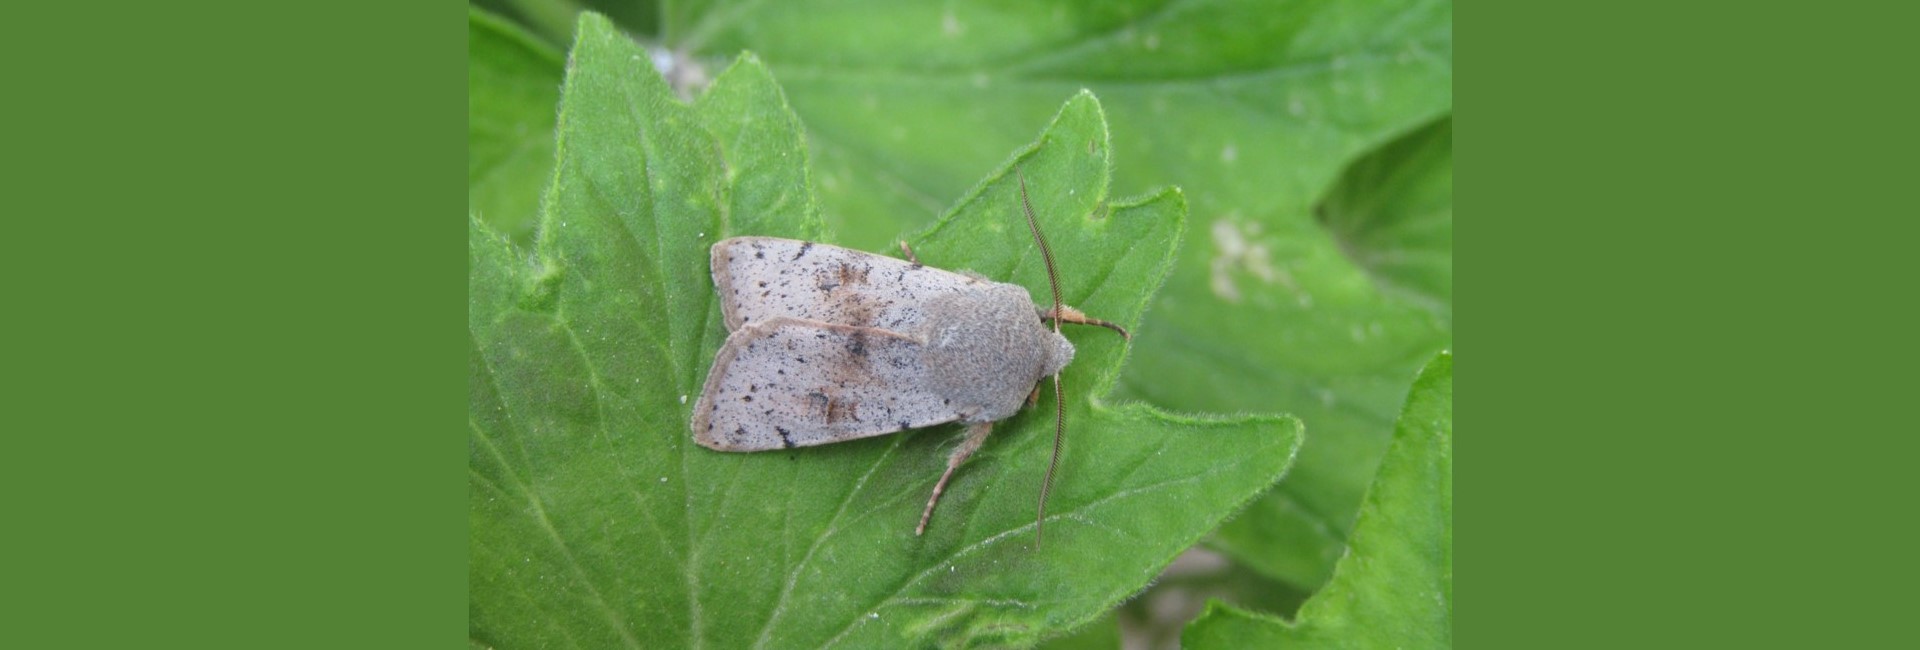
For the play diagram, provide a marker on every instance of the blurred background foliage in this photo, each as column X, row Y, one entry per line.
column 1313, row 140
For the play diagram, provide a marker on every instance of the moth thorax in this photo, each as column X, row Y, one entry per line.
column 985, row 351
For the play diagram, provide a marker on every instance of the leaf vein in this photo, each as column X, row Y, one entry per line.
column 793, row 577
column 539, row 512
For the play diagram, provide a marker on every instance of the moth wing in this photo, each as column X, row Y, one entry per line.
column 760, row 278
column 786, row 382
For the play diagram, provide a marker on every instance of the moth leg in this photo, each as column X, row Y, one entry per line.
column 1070, row 315
column 1033, row 398
column 908, row 250
column 976, row 434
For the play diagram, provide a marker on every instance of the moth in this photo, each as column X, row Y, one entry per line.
column 829, row 344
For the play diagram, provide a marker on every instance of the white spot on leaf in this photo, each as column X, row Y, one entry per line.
column 1234, row 250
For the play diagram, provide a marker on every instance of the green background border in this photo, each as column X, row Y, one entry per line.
column 1681, row 277
column 237, row 251
column 237, row 266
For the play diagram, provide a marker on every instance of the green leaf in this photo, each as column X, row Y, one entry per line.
column 1102, row 634
column 513, row 82
column 1392, row 214
column 766, row 154
column 1254, row 107
column 596, row 522
column 1394, row 589
column 552, row 19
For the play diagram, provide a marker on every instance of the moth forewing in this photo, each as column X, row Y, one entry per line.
column 763, row 277
column 788, row 382
column 833, row 344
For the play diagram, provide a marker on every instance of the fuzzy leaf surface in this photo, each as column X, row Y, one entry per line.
column 1255, row 108
column 1394, row 588
column 513, row 83
column 596, row 522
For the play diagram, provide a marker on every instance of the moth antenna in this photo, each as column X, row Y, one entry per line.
column 1046, row 252
column 1059, row 398
column 1059, row 433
